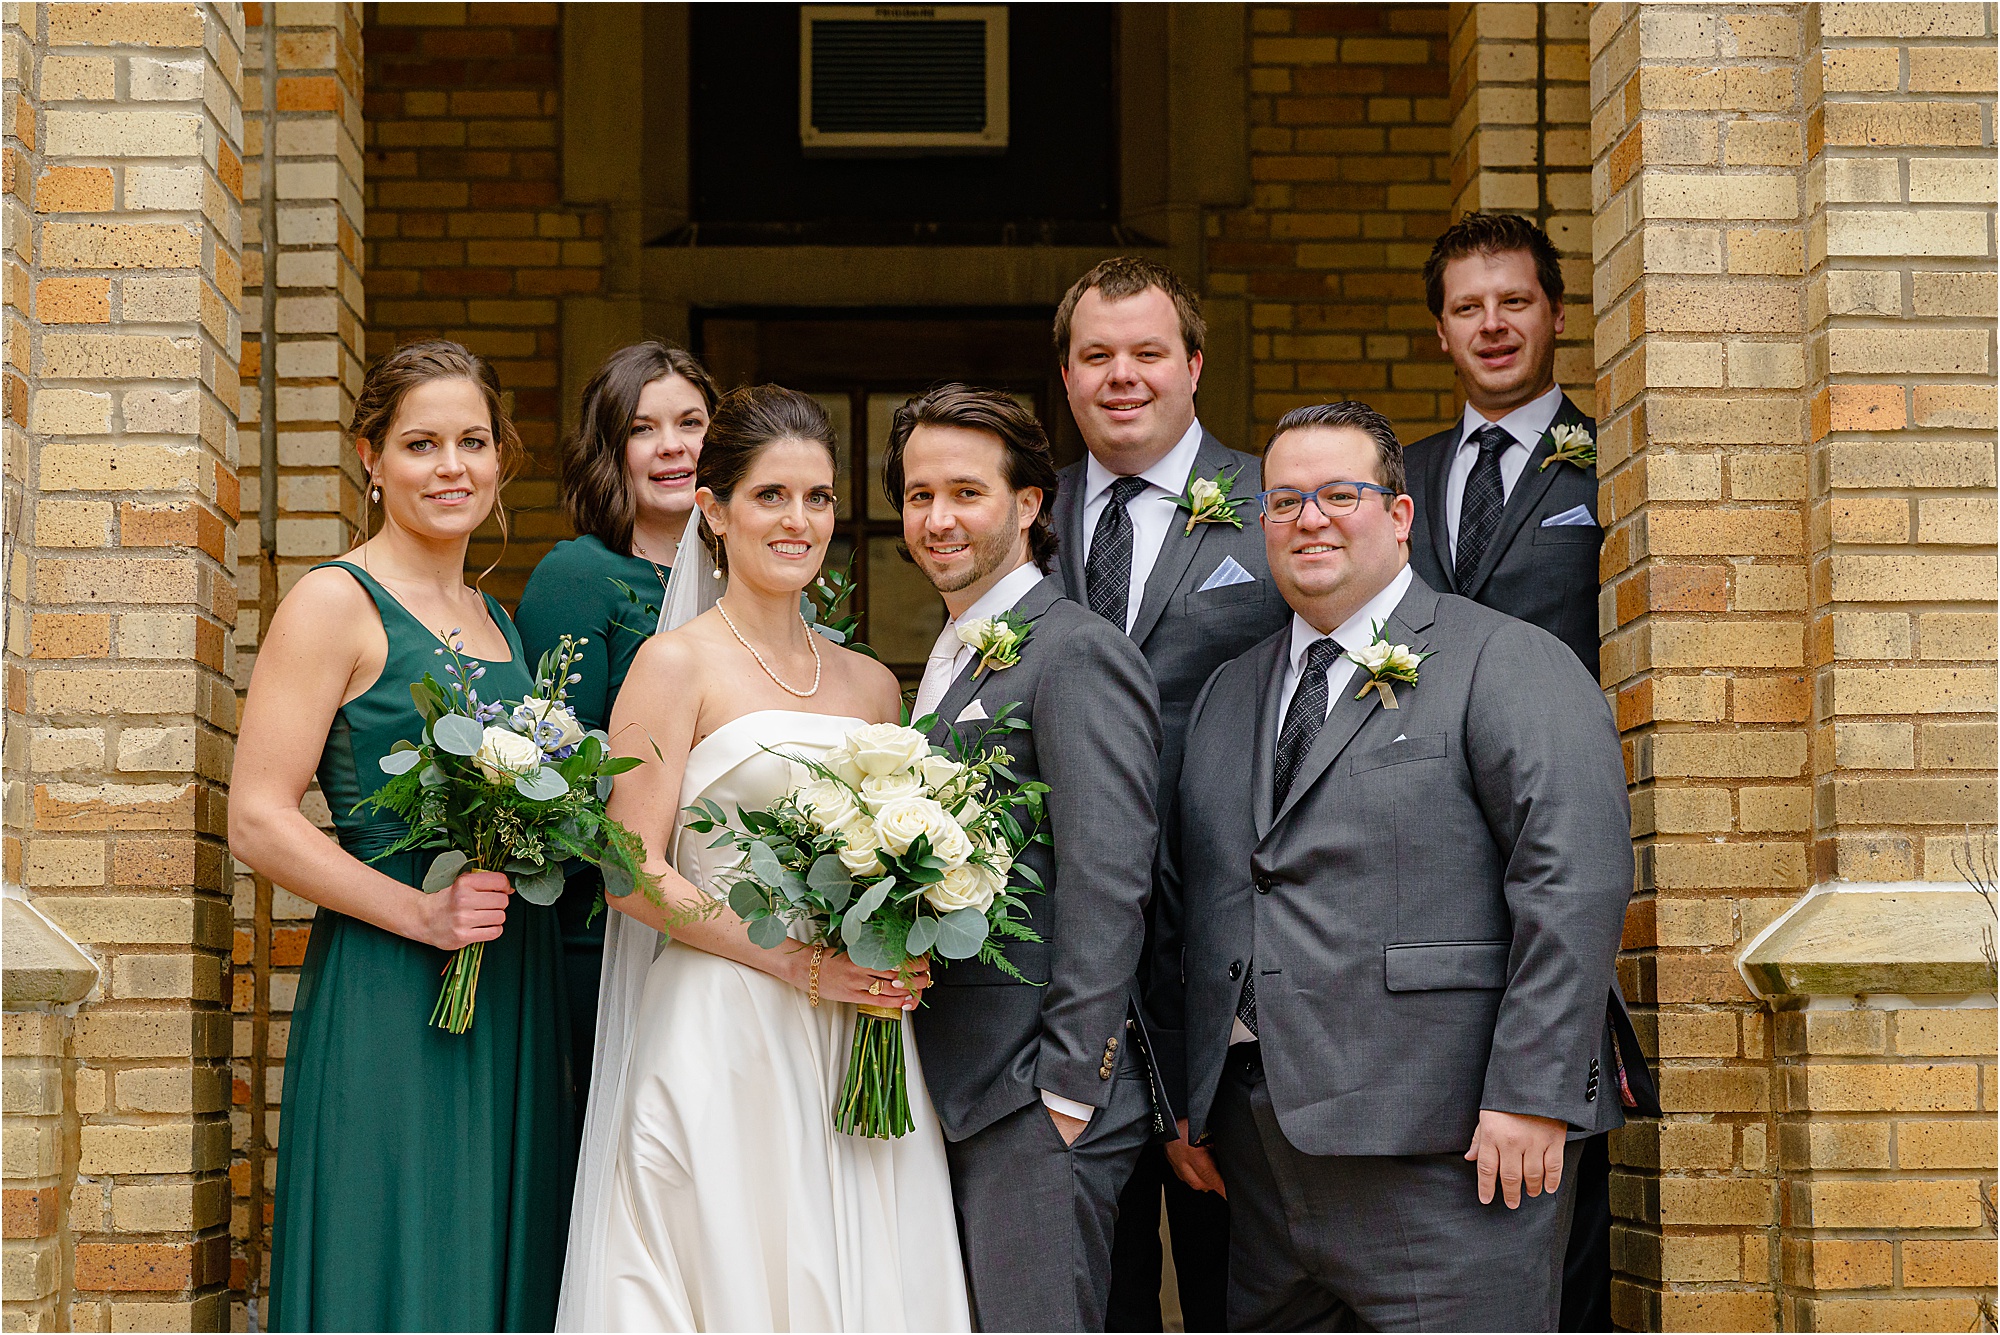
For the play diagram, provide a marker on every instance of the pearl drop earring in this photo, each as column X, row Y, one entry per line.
column 715, row 574
column 375, row 495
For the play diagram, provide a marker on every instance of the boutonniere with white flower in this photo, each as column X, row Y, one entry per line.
column 1206, row 499
column 1386, row 664
column 1574, row 445
column 998, row 640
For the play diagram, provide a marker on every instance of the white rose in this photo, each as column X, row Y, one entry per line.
column 862, row 853
column 841, row 761
column 504, row 753
column 830, row 804
column 885, row 748
column 975, row 631
column 1204, row 491
column 531, row 713
column 879, row 790
column 1373, row 656
column 939, row 772
column 967, row 812
column 961, row 888
column 996, row 852
column 902, row 821
column 993, row 882
column 950, row 842
column 1402, row 660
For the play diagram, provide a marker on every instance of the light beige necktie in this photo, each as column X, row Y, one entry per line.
column 939, row 669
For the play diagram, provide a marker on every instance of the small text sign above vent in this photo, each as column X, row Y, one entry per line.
column 888, row 80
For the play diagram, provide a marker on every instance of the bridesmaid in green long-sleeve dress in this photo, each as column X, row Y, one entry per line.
column 423, row 1176
column 628, row 484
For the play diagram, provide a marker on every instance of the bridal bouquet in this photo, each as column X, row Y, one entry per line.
column 511, row 786
column 889, row 850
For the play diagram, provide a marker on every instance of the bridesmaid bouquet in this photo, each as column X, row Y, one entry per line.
column 511, row 786
column 889, row 850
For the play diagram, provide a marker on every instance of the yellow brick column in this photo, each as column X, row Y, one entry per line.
column 122, row 565
column 307, row 362
column 1697, row 136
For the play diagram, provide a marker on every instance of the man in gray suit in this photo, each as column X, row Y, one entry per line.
column 1392, row 939
column 1191, row 587
column 1043, row 1099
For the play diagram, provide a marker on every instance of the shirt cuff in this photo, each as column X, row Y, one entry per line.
column 1067, row 1107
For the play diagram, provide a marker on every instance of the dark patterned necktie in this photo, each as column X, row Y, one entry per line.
column 1107, row 574
column 1479, row 510
column 1303, row 720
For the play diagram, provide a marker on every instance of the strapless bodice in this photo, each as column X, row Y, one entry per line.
column 745, row 763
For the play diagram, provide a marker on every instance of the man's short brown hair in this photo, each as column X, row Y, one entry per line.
column 1128, row 276
column 1356, row 416
column 1492, row 234
column 1030, row 461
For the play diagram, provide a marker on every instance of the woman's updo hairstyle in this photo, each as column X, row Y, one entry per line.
column 745, row 422
column 396, row 374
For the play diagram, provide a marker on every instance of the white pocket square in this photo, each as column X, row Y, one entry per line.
column 1226, row 574
column 972, row 713
column 1577, row 516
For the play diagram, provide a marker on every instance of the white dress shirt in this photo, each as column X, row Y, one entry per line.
column 1153, row 511
column 1525, row 424
column 1351, row 635
column 942, row 670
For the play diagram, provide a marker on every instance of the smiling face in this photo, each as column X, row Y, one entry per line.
column 1500, row 329
column 1131, row 379
column 437, row 464
column 776, row 523
column 1328, row 567
column 966, row 528
column 660, row 454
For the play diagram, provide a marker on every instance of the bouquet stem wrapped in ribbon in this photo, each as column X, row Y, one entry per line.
column 516, row 787
column 891, row 851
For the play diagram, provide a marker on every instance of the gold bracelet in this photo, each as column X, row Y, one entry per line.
column 812, row 986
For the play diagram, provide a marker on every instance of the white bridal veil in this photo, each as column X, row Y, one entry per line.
column 629, row 949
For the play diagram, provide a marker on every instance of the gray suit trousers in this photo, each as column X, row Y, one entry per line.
column 1035, row 1216
column 1359, row 1242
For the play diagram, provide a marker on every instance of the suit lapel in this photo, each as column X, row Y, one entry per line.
column 1534, row 484
column 1406, row 625
column 1177, row 551
column 1434, row 498
column 1264, row 751
column 964, row 688
column 1069, row 530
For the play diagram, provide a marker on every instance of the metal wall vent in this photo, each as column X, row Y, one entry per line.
column 888, row 80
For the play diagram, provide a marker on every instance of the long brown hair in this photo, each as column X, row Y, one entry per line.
column 745, row 422
column 596, row 491
column 395, row 375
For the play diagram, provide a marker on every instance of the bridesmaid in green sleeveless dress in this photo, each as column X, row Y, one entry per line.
column 423, row 1177
column 628, row 484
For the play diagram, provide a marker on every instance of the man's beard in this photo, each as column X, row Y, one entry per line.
column 987, row 557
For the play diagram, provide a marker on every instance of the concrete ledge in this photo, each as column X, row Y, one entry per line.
column 1913, row 938
column 39, row 966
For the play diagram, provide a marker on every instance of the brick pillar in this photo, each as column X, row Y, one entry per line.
column 314, row 367
column 1520, row 137
column 1700, row 245
column 123, row 563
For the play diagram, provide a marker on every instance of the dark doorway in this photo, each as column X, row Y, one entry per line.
column 862, row 366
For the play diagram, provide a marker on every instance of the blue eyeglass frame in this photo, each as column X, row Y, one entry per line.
column 1264, row 497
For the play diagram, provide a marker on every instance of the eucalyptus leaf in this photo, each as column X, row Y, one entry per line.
column 747, row 900
column 871, row 899
column 923, row 935
column 457, row 734
column 604, row 787
column 868, row 947
column 618, row 881
column 829, row 878
column 444, row 869
column 764, row 864
column 543, row 885
column 961, row 933
column 544, row 785
column 400, row 762
column 768, row 932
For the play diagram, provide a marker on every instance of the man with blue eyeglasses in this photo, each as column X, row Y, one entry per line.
column 1379, row 1001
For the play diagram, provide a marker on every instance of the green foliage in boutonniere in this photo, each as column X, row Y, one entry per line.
column 1206, row 499
column 998, row 640
column 1574, row 445
column 1385, row 664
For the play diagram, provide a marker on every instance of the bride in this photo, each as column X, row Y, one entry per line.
column 714, row 1192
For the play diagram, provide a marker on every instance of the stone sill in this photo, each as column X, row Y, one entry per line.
column 39, row 966
column 1911, row 938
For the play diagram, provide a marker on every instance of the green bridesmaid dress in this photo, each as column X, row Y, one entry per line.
column 585, row 589
column 423, row 1177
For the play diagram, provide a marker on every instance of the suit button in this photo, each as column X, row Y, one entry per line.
column 1235, row 970
column 1263, row 884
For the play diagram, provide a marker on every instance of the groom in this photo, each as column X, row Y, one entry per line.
column 1399, row 934
column 1042, row 1097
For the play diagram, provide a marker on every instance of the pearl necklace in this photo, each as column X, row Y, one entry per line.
column 811, row 643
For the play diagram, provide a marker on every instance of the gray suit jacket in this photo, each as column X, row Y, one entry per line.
column 1547, row 576
column 990, row 1043
column 1186, row 634
column 1434, row 911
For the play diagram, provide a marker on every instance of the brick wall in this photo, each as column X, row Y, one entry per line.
column 467, row 235
column 123, row 289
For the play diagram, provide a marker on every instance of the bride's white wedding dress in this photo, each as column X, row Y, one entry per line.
column 732, row 1203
